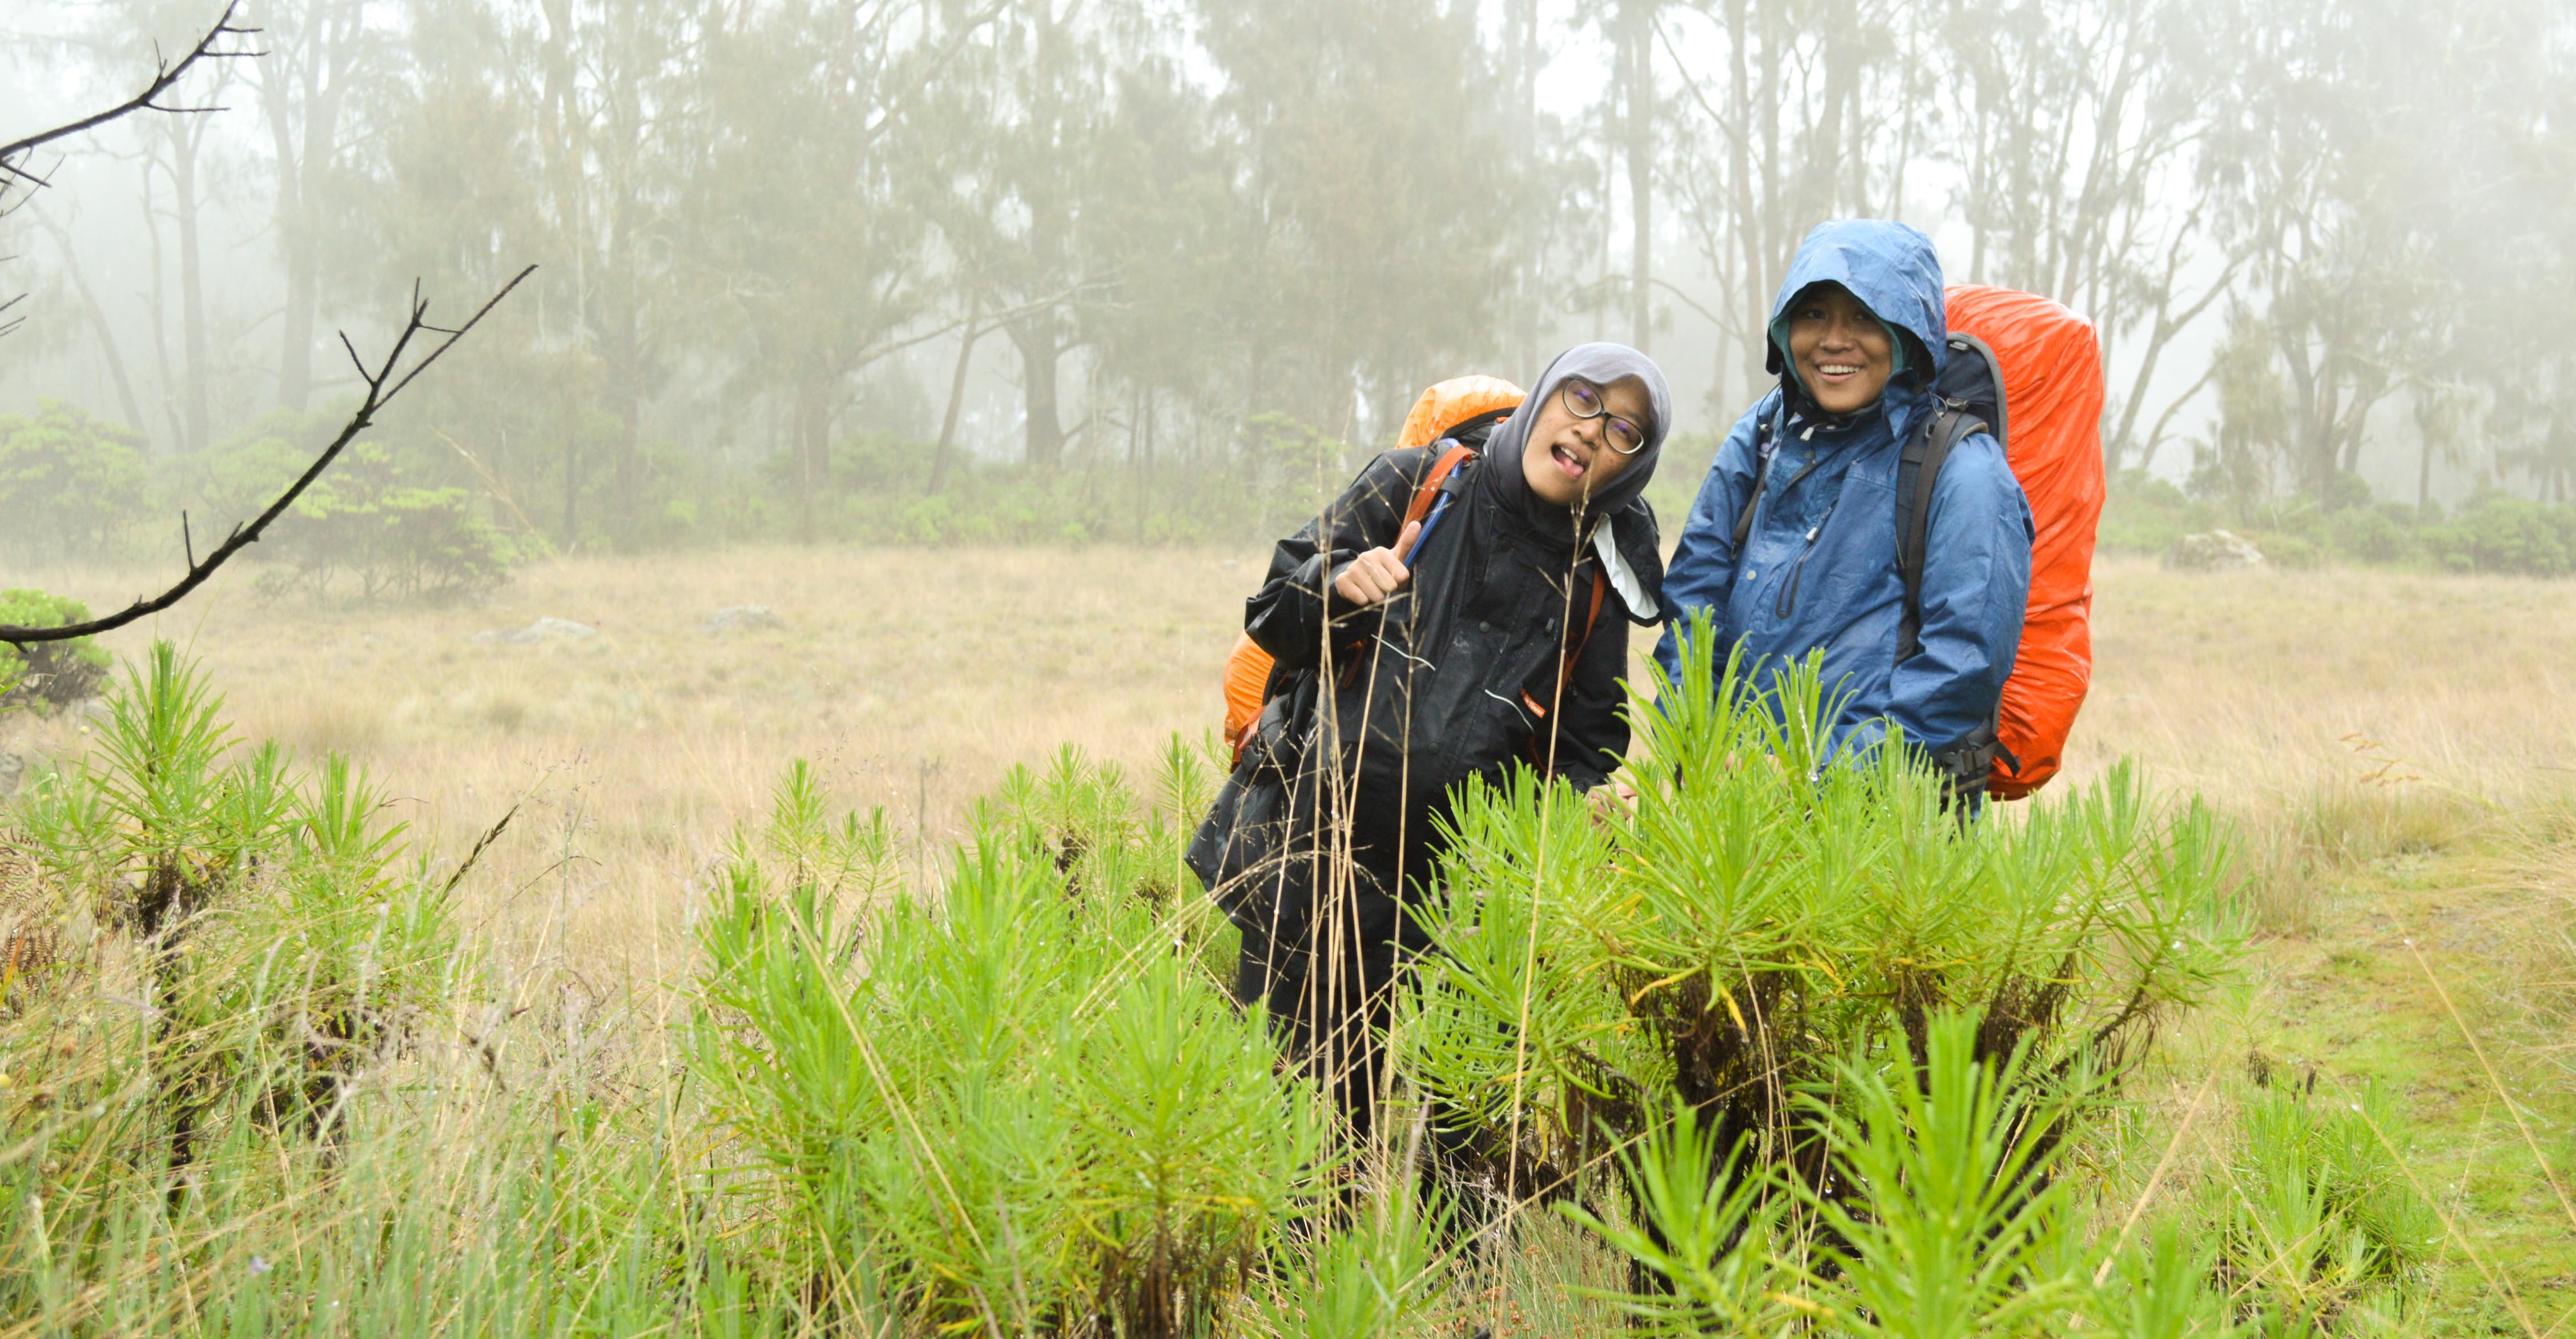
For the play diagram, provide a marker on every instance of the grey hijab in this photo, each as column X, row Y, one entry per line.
column 1600, row 364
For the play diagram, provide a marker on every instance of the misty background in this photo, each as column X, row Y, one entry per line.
column 1167, row 270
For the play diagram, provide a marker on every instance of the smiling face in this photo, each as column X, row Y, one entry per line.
column 1843, row 355
column 1570, row 458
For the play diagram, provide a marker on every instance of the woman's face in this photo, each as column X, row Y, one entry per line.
column 1844, row 356
column 1570, row 458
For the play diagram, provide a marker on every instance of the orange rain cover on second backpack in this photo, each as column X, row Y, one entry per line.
column 2052, row 365
column 1442, row 407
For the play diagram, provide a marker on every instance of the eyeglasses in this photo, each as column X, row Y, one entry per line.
column 1583, row 400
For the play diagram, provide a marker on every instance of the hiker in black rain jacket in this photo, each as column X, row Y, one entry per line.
column 1408, row 663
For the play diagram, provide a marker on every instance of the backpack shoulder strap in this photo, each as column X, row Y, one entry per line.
column 1591, row 619
column 1572, row 652
column 1916, row 470
column 1764, row 447
column 1439, row 484
column 1429, row 489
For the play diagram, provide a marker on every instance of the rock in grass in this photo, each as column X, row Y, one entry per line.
column 744, row 618
column 2213, row 551
column 547, row 629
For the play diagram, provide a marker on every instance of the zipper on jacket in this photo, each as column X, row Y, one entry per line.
column 1787, row 600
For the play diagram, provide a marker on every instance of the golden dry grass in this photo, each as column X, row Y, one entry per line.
column 914, row 678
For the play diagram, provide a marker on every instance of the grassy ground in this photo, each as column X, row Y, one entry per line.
column 2397, row 750
column 2435, row 972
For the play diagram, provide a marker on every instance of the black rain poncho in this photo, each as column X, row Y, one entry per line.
column 1331, row 821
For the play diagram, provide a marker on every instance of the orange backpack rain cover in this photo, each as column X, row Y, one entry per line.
column 1442, row 407
column 2052, row 365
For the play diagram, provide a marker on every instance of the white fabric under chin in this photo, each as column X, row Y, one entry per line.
column 1622, row 578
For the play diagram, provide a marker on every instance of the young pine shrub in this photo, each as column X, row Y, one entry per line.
column 1086, row 819
column 1948, row 1216
column 330, row 963
column 280, row 947
column 1376, row 1275
column 1020, row 1109
column 267, row 941
column 2317, row 1221
column 1943, row 1217
column 1768, row 915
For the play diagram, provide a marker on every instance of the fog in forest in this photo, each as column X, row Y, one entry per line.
column 1166, row 270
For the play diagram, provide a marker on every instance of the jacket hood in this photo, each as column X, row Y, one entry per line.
column 1600, row 364
column 1894, row 271
column 1617, row 524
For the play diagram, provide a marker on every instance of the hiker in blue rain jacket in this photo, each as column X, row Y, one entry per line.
column 1857, row 335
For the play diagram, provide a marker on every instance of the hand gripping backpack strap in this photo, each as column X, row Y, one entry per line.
column 1438, row 484
column 1431, row 498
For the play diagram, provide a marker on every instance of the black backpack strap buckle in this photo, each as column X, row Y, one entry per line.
column 1965, row 766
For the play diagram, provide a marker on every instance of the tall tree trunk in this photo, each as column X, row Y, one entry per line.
column 626, row 401
column 2423, row 468
column 1747, row 220
column 813, row 446
column 1637, row 38
column 1825, row 150
column 158, row 302
column 192, row 283
column 1521, row 57
column 1041, row 345
column 295, row 334
column 294, row 242
column 966, row 338
column 572, row 484
column 107, row 346
column 301, row 90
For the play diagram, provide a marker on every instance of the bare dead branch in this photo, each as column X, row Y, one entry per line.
column 164, row 74
column 382, row 386
column 13, row 155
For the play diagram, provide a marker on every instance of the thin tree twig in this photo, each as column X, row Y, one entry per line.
column 164, row 74
column 385, row 381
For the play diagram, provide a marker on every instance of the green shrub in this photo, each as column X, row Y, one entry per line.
column 48, row 674
column 2315, row 1213
column 1022, row 1108
column 72, row 485
column 1954, row 1222
column 373, row 519
column 2496, row 533
column 2492, row 532
column 281, row 948
column 2385, row 534
column 1768, row 914
column 1948, row 1208
column 2144, row 514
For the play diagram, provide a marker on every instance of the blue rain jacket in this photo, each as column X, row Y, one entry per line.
column 1819, row 566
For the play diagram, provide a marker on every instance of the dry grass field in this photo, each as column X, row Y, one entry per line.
column 2343, row 714
column 915, row 678
column 2398, row 753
